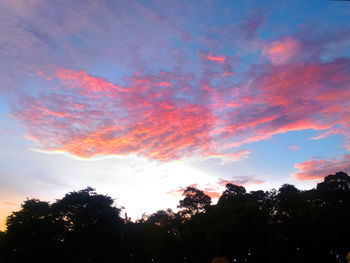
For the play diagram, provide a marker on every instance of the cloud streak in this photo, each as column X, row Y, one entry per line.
column 281, row 51
column 318, row 169
column 93, row 116
column 170, row 115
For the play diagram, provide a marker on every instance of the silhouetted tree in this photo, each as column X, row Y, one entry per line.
column 91, row 227
column 195, row 201
column 156, row 238
column 167, row 220
column 81, row 227
column 232, row 189
column 288, row 197
column 2, row 244
column 29, row 233
column 288, row 225
column 338, row 181
column 231, row 193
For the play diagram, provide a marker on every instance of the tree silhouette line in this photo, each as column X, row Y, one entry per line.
column 284, row 225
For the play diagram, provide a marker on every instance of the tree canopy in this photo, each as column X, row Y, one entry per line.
column 284, row 225
column 195, row 201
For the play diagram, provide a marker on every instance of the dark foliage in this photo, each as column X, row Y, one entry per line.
column 287, row 225
column 195, row 201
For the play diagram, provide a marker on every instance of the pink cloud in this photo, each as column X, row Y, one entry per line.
column 88, row 85
column 229, row 157
column 227, row 73
column 241, row 181
column 212, row 193
column 165, row 21
column 218, row 59
column 293, row 147
column 281, row 51
column 145, row 118
column 326, row 133
column 214, row 190
column 291, row 97
column 318, row 169
column 168, row 115
column 178, row 192
column 48, row 112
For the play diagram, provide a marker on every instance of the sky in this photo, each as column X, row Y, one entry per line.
column 140, row 99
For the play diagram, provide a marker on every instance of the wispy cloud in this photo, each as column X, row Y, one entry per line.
column 318, row 169
column 241, row 181
column 161, row 117
column 281, row 51
column 214, row 190
column 293, row 147
column 322, row 135
column 217, row 59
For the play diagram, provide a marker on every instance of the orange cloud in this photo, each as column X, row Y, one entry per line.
column 212, row 193
column 318, row 169
column 9, row 203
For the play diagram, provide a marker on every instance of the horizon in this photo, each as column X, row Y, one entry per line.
column 144, row 98
column 180, row 193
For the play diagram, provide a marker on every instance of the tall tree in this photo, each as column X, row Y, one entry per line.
column 194, row 201
column 337, row 181
column 29, row 236
column 92, row 229
column 231, row 193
